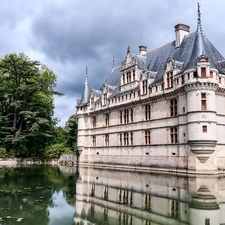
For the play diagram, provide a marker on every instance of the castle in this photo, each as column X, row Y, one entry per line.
column 162, row 110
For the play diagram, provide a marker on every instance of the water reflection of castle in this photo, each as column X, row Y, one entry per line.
column 129, row 198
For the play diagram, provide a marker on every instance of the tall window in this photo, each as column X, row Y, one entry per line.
column 126, row 116
column 121, row 117
column 121, row 139
column 104, row 99
column 147, row 112
column 147, row 137
column 203, row 72
column 126, row 138
column 94, row 141
column 144, row 87
column 107, row 119
column 131, row 138
column 173, row 107
column 124, row 79
column 203, row 101
column 173, row 135
column 128, row 77
column 131, row 115
column 174, row 209
column 92, row 102
column 94, row 121
column 169, row 79
column 133, row 75
column 107, row 139
column 204, row 129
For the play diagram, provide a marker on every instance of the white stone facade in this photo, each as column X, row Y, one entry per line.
column 166, row 115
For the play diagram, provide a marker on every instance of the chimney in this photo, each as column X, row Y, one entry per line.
column 181, row 30
column 142, row 50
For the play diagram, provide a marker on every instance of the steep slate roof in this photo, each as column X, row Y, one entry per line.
column 85, row 95
column 193, row 46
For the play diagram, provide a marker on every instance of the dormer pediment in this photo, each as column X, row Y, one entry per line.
column 203, row 58
column 172, row 64
column 130, row 60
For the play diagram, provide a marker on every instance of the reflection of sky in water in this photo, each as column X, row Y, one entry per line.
column 61, row 213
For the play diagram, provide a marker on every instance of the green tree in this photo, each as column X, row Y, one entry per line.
column 71, row 132
column 26, row 104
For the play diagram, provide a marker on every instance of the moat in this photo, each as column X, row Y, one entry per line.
column 45, row 195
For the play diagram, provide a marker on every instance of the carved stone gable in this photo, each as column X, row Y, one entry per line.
column 130, row 59
column 203, row 58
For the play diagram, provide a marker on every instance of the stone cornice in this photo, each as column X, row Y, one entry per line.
column 201, row 86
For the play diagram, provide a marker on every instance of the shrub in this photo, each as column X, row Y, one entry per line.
column 54, row 151
column 3, row 153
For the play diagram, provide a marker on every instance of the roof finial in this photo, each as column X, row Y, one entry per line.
column 113, row 60
column 199, row 27
column 86, row 71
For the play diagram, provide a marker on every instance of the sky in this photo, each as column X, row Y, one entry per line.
column 70, row 35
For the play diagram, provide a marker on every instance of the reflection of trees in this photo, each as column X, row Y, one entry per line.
column 27, row 193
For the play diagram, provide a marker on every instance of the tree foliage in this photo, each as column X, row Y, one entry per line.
column 26, row 104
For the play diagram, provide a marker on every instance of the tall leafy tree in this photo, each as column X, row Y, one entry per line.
column 26, row 103
column 71, row 132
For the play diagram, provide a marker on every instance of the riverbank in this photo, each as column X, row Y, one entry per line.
column 13, row 162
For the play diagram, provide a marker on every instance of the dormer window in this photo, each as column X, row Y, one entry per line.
column 203, row 72
column 144, row 87
column 169, row 79
column 128, row 77
column 92, row 102
column 104, row 99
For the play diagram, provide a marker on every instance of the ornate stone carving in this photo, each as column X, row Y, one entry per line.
column 201, row 86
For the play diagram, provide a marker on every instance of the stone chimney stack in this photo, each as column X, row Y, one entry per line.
column 142, row 50
column 181, row 30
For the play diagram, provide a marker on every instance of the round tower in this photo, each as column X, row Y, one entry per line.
column 201, row 118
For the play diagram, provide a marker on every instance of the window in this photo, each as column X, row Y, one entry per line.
column 156, row 88
column 188, row 76
column 133, row 75
column 92, row 102
column 169, row 79
column 147, row 137
column 175, row 209
column 126, row 138
column 94, row 141
column 173, row 135
column 203, row 72
column 123, row 78
column 128, row 77
column 121, row 117
column 203, row 101
column 131, row 138
column 126, row 116
column 131, row 115
column 220, row 80
column 147, row 112
column 207, row 221
column 106, row 139
column 182, row 79
column 94, row 121
column 121, row 139
column 144, row 87
column 173, row 107
column 211, row 74
column 104, row 99
column 204, row 129
column 195, row 74
column 107, row 119
column 147, row 202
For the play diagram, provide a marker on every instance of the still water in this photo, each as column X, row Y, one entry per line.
column 85, row 196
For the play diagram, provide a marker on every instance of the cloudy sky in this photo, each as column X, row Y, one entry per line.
column 68, row 35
